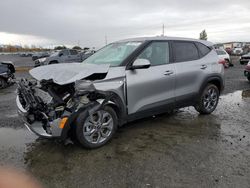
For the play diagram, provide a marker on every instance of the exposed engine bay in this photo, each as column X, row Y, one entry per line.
column 61, row 99
column 44, row 104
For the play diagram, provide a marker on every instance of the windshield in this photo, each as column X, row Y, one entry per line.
column 113, row 54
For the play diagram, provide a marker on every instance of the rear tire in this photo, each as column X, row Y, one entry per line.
column 96, row 131
column 3, row 83
column 208, row 99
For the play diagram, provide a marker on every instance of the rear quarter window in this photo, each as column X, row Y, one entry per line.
column 204, row 50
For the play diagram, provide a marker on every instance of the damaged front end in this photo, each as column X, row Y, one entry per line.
column 48, row 108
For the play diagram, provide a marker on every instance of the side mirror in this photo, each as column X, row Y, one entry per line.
column 141, row 64
column 60, row 54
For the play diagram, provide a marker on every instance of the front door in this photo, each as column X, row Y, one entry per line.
column 152, row 87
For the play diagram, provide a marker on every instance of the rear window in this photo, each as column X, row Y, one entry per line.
column 185, row 51
column 204, row 50
column 220, row 52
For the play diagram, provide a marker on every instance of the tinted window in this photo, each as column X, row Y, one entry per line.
column 73, row 52
column 65, row 52
column 185, row 51
column 204, row 50
column 157, row 53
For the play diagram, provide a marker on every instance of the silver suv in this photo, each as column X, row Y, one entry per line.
column 123, row 81
column 62, row 56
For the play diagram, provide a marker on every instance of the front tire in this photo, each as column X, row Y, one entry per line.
column 96, row 130
column 208, row 100
column 248, row 78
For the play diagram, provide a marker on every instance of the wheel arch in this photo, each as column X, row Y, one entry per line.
column 120, row 108
column 53, row 61
column 115, row 102
column 216, row 80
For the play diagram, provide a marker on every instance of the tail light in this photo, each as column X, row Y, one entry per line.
column 222, row 61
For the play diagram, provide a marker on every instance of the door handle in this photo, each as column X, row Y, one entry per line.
column 203, row 67
column 168, row 72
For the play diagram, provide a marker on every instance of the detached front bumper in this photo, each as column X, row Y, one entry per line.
column 54, row 130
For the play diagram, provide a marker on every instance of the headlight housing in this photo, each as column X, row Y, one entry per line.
column 41, row 60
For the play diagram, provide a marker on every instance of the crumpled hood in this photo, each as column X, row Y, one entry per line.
column 66, row 73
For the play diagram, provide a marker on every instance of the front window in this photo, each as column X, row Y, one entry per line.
column 113, row 54
column 157, row 53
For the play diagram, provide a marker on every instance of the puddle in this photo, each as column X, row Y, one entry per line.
column 13, row 145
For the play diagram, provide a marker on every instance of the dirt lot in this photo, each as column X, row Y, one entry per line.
column 178, row 150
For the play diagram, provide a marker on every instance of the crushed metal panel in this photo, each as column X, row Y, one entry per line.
column 68, row 72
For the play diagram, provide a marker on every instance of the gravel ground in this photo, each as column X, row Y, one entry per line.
column 234, row 78
column 18, row 61
column 179, row 150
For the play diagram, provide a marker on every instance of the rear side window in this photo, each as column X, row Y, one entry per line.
column 73, row 52
column 204, row 50
column 65, row 52
column 185, row 51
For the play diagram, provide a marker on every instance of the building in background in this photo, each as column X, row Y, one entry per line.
column 234, row 48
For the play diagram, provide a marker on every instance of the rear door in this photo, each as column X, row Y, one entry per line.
column 153, row 87
column 192, row 67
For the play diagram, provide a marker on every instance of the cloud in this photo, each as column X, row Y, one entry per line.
column 87, row 22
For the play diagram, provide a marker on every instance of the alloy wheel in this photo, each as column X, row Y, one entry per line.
column 210, row 99
column 98, row 127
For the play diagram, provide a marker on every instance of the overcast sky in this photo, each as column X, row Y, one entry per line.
column 72, row 22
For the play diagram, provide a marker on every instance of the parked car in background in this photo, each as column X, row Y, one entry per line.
column 244, row 59
column 63, row 56
column 7, row 71
column 247, row 71
column 122, row 82
column 85, row 55
column 26, row 54
column 224, row 57
column 237, row 51
column 39, row 55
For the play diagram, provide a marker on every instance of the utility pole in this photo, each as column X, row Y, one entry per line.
column 163, row 30
column 106, row 40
